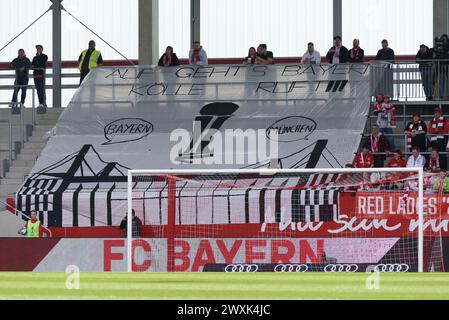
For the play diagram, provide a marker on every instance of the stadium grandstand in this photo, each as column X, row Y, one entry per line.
column 165, row 142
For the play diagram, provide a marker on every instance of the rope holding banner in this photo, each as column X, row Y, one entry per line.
column 112, row 47
column 23, row 31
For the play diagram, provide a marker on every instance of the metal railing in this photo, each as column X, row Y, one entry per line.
column 403, row 119
column 24, row 125
column 406, row 152
column 24, row 133
column 418, row 80
column 405, row 80
column 6, row 163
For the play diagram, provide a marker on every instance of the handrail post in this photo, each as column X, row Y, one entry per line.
column 404, row 106
column 33, row 113
column 438, row 78
column 10, row 143
column 22, row 124
column 56, row 8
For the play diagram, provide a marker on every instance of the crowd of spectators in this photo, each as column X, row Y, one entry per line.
column 377, row 147
column 432, row 76
column 434, row 72
column 421, row 138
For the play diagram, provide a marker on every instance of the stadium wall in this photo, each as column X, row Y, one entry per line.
column 108, row 255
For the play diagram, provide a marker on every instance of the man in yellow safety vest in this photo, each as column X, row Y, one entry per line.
column 89, row 59
column 33, row 227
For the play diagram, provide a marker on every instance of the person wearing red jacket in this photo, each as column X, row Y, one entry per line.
column 397, row 161
column 438, row 129
column 364, row 159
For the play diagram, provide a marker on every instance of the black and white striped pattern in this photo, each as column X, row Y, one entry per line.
column 322, row 180
column 38, row 195
column 262, row 200
column 225, row 201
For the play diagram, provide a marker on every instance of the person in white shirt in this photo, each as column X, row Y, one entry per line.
column 416, row 160
column 197, row 56
column 311, row 56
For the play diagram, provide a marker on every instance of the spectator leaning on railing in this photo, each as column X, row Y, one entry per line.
column 338, row 53
column 386, row 53
column 445, row 39
column 169, row 58
column 356, row 54
column 251, row 57
column 197, row 55
column 311, row 56
column 439, row 54
column 424, row 58
column 263, row 55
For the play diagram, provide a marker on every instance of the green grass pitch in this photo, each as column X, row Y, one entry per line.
column 267, row 286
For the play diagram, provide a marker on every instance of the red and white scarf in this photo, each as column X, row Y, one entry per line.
column 391, row 109
column 375, row 143
column 196, row 55
column 167, row 60
column 378, row 107
column 437, row 123
column 434, row 164
column 336, row 58
column 354, row 53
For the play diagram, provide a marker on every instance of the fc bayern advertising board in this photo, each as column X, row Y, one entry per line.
column 98, row 255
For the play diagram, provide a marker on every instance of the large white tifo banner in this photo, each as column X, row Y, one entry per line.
column 191, row 117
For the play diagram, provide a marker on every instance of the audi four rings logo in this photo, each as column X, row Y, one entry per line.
column 291, row 268
column 395, row 267
column 241, row 268
column 341, row 268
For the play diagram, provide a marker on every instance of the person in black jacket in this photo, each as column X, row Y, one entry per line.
column 386, row 53
column 356, row 54
column 424, row 58
column 39, row 65
column 136, row 225
column 338, row 53
column 445, row 41
column 168, row 59
column 21, row 65
column 441, row 70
